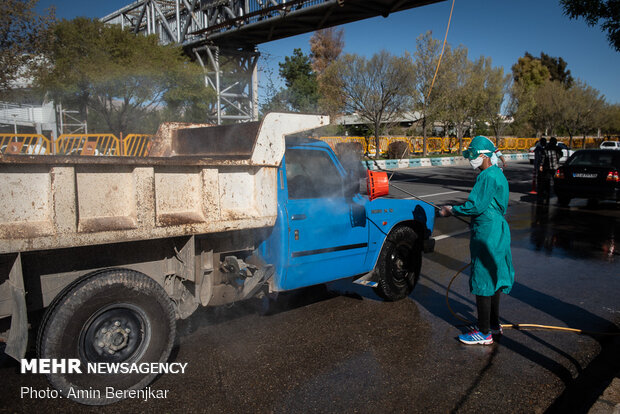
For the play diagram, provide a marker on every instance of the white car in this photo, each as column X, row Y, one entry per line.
column 610, row 145
column 566, row 152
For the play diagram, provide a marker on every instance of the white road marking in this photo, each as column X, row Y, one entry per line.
column 445, row 236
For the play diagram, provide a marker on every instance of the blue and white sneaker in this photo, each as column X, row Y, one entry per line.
column 498, row 331
column 476, row 337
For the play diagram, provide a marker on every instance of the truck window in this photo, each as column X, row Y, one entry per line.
column 312, row 174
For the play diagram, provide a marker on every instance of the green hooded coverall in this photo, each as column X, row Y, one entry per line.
column 491, row 268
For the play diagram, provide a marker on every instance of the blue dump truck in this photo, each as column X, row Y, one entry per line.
column 102, row 255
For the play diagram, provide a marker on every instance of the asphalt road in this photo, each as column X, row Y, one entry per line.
column 338, row 348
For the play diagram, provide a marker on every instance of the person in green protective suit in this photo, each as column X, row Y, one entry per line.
column 491, row 259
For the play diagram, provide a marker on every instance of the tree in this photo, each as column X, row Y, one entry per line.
column 23, row 34
column 605, row 12
column 496, row 87
column 557, row 69
column 377, row 89
column 552, row 100
column 464, row 84
column 583, row 109
column 610, row 120
column 120, row 76
column 325, row 47
column 301, row 92
column 427, row 100
column 529, row 74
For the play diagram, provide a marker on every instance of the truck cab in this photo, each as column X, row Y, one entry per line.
column 327, row 229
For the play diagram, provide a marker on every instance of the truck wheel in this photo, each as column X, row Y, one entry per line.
column 110, row 316
column 398, row 267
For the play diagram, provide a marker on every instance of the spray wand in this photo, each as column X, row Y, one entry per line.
column 427, row 202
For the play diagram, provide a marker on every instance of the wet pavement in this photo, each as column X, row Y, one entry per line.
column 339, row 348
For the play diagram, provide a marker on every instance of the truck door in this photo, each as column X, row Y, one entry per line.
column 326, row 241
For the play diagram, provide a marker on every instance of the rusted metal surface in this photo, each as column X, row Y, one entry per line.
column 162, row 142
column 230, row 141
column 269, row 148
column 61, row 201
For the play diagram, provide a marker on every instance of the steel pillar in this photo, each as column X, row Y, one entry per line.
column 233, row 75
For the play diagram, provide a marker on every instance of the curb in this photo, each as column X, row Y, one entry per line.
column 426, row 162
column 609, row 401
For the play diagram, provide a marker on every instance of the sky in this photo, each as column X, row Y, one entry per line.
column 501, row 30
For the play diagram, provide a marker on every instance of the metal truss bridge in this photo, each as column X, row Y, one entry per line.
column 222, row 35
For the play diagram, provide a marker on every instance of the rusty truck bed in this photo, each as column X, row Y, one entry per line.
column 203, row 180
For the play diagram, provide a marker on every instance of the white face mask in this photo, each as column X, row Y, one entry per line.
column 494, row 159
column 476, row 163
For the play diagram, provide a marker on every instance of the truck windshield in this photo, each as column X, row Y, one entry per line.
column 312, row 174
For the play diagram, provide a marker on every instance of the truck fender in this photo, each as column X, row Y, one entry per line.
column 416, row 226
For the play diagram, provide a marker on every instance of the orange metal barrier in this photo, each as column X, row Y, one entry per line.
column 29, row 144
column 332, row 141
column 137, row 145
column 88, row 144
column 434, row 144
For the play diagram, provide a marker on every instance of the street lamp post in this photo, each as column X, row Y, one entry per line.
column 15, row 123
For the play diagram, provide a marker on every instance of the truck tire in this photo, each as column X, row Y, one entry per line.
column 110, row 316
column 399, row 264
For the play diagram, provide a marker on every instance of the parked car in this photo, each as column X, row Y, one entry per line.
column 610, row 145
column 566, row 152
column 591, row 174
